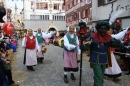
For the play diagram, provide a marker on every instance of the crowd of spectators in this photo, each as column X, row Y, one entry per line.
column 7, row 42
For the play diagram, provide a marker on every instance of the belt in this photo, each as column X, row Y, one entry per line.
column 99, row 52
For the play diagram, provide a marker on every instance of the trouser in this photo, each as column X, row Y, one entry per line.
column 40, row 59
column 98, row 73
column 125, row 61
column 9, row 76
column 128, row 64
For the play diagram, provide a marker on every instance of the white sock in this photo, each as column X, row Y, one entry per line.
column 71, row 72
column 65, row 73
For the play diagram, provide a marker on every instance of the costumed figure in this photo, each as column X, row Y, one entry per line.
column 114, row 71
column 71, row 47
column 40, row 40
column 127, row 51
column 99, row 47
column 125, row 40
column 30, row 44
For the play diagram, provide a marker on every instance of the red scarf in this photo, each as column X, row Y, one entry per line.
column 102, row 39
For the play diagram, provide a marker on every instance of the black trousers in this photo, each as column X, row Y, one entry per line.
column 9, row 76
column 40, row 59
column 128, row 59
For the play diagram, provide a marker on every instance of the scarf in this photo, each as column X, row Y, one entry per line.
column 101, row 39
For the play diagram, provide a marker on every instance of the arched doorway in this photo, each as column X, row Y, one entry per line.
column 52, row 29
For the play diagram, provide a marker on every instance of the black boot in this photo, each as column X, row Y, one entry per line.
column 38, row 60
column 28, row 67
column 116, row 79
column 41, row 60
column 65, row 79
column 31, row 68
column 72, row 76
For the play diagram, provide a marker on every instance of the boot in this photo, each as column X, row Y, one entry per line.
column 116, row 79
column 72, row 76
column 41, row 60
column 28, row 67
column 78, row 61
column 15, row 84
column 65, row 79
column 127, row 73
column 31, row 68
column 94, row 84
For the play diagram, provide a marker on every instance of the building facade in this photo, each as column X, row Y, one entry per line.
column 103, row 10
column 42, row 13
column 77, row 10
column 44, row 10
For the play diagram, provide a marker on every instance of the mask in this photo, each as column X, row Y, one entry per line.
column 102, row 30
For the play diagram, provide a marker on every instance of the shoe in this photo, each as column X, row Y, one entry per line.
column 72, row 76
column 116, row 79
column 127, row 74
column 78, row 61
column 15, row 84
column 32, row 69
column 124, row 69
column 41, row 61
column 65, row 79
column 94, row 84
column 28, row 67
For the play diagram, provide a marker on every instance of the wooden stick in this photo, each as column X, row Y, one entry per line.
column 122, row 53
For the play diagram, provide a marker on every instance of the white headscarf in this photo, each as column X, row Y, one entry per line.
column 72, row 35
column 69, row 28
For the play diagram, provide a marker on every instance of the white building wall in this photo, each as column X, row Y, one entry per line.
column 27, row 6
column 60, row 25
column 102, row 12
column 125, row 23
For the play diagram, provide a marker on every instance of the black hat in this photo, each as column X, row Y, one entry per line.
column 101, row 23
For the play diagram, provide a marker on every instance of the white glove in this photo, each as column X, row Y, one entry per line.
column 79, row 51
column 72, row 47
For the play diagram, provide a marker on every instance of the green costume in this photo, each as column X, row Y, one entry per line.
column 40, row 39
column 99, row 52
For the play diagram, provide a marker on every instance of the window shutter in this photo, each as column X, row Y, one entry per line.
column 72, row 3
column 86, row 12
column 81, row 13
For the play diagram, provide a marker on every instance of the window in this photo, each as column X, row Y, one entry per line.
column 108, row 1
column 39, row 17
column 75, row 2
column 56, row 6
column 45, row 6
column 90, row 11
column 70, row 18
column 37, row 5
column 32, row 4
column 71, row 5
column 84, row 14
column 63, row 7
column 41, row 6
column 103, row 2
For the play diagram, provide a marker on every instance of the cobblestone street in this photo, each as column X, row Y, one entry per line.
column 50, row 73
